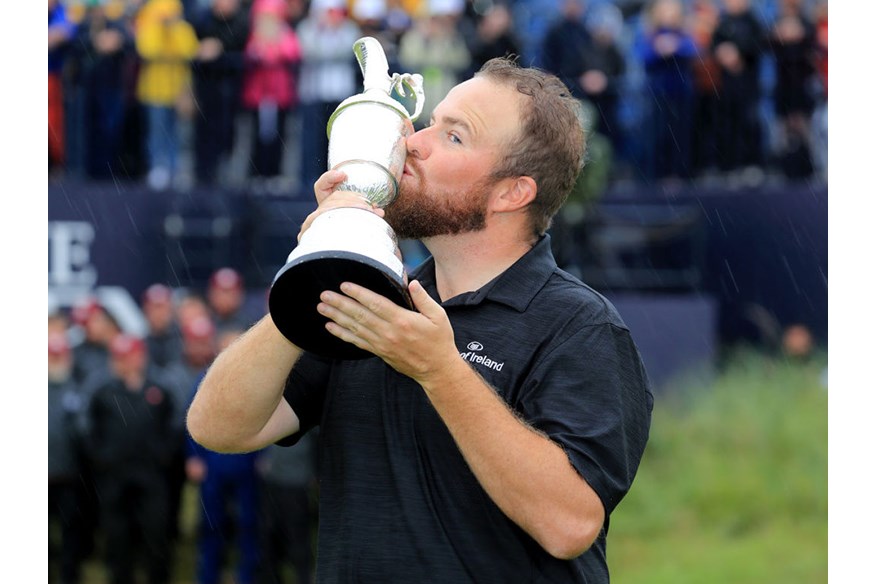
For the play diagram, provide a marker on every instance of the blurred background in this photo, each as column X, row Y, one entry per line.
column 184, row 139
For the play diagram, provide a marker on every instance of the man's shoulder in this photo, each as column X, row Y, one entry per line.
column 566, row 293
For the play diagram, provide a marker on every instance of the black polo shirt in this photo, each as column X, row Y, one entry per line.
column 398, row 502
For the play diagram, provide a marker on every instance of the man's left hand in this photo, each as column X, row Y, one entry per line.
column 417, row 344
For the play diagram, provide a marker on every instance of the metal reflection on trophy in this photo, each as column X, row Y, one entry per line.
column 367, row 135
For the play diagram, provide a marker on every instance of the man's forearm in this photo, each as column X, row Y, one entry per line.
column 525, row 473
column 238, row 405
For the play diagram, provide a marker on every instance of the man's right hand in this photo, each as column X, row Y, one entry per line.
column 327, row 198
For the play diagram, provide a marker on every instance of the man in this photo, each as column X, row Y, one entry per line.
column 164, row 338
column 226, row 296
column 66, row 536
column 502, row 420
column 130, row 435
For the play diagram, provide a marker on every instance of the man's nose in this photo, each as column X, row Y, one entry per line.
column 417, row 144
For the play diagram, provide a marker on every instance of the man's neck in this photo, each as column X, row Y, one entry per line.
column 464, row 263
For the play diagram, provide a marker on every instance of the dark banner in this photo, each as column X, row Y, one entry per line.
column 702, row 267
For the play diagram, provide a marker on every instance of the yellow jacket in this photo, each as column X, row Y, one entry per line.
column 166, row 44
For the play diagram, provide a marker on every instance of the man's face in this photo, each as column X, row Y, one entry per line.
column 159, row 315
column 446, row 182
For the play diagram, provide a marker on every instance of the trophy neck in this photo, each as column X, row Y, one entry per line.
column 375, row 98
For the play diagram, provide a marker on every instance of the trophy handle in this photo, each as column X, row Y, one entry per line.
column 414, row 82
column 375, row 74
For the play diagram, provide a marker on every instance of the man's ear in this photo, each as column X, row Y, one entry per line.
column 518, row 193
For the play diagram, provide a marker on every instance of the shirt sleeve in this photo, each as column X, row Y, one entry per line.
column 591, row 395
column 305, row 392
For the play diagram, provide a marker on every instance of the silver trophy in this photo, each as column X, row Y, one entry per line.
column 367, row 135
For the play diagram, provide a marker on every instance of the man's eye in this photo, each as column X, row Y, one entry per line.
column 454, row 138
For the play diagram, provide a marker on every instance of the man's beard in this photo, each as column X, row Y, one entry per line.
column 419, row 213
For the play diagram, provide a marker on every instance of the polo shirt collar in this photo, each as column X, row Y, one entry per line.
column 515, row 287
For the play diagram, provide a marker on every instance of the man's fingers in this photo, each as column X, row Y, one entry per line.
column 326, row 183
column 424, row 303
column 372, row 302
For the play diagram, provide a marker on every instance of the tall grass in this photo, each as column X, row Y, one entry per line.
column 733, row 484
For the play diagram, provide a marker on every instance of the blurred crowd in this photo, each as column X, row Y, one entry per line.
column 119, row 456
column 180, row 93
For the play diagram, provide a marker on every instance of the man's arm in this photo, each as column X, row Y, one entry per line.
column 239, row 406
column 524, row 472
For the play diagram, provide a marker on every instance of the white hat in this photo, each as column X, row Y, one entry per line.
column 323, row 5
column 443, row 7
column 369, row 9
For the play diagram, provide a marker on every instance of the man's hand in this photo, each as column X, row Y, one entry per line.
column 327, row 198
column 417, row 344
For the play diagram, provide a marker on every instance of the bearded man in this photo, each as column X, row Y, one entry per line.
column 499, row 423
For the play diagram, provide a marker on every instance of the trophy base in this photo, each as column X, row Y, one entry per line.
column 295, row 292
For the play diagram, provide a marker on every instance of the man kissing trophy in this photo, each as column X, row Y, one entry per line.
column 367, row 135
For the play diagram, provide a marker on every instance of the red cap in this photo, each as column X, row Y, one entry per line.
column 200, row 328
column 124, row 344
column 226, row 279
column 84, row 310
column 58, row 344
column 157, row 294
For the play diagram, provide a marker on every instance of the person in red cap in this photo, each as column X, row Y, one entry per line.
column 65, row 518
column 228, row 484
column 91, row 356
column 131, row 435
column 226, row 295
column 198, row 348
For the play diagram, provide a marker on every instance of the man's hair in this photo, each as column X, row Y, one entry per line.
column 550, row 143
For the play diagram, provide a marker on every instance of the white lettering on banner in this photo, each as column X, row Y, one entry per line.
column 70, row 254
column 72, row 276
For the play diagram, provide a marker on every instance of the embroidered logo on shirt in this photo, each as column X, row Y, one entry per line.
column 473, row 357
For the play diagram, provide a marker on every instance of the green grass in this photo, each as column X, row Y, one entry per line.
column 733, row 484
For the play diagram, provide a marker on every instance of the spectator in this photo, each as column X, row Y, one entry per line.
column 164, row 338
column 228, row 486
column 436, row 49
column 703, row 21
column 565, row 44
column 166, row 44
column 91, row 355
column 190, row 307
column 226, row 296
column 66, row 521
column 106, row 59
column 180, row 378
column 288, row 516
column 819, row 119
column 270, row 86
column 667, row 51
column 792, row 40
column 604, row 66
column 373, row 19
column 217, row 71
column 130, row 439
column 738, row 45
column 329, row 75
column 61, row 31
column 493, row 35
column 91, row 368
